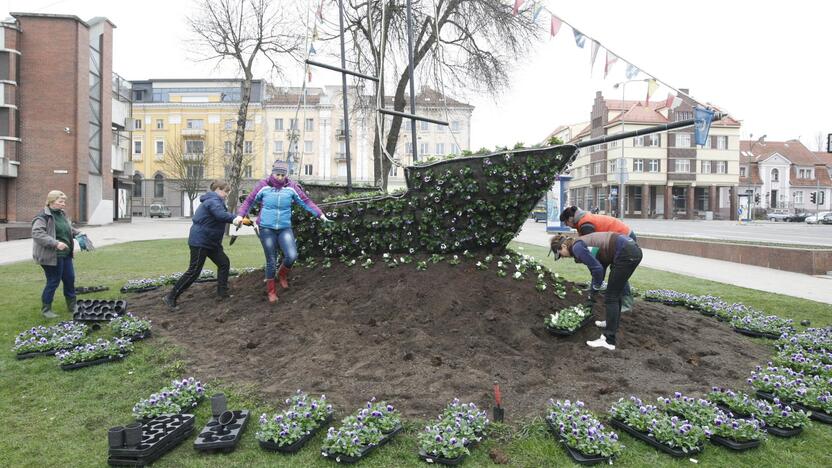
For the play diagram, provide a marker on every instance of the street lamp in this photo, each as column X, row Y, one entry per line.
column 621, row 167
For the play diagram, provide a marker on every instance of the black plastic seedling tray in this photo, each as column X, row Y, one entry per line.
column 366, row 450
column 215, row 437
column 756, row 334
column 159, row 436
column 90, row 289
column 644, row 437
column 295, row 446
column 94, row 362
column 141, row 336
column 564, row 332
column 441, row 460
column 98, row 310
column 576, row 455
column 734, row 413
column 780, row 432
column 817, row 415
column 34, row 354
column 768, row 396
column 734, row 445
column 139, row 290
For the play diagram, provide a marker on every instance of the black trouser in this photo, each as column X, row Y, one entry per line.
column 198, row 256
column 622, row 268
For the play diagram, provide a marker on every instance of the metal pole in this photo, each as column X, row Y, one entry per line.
column 345, row 100
column 621, row 161
column 410, row 72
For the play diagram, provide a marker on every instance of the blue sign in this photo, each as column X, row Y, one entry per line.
column 702, row 124
column 556, row 202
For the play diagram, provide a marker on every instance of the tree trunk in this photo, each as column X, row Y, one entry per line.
column 239, row 137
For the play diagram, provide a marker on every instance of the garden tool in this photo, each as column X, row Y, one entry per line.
column 498, row 410
column 247, row 221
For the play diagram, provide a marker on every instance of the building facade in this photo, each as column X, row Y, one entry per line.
column 56, row 118
column 665, row 174
column 785, row 175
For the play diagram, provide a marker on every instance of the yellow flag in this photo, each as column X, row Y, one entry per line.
column 652, row 86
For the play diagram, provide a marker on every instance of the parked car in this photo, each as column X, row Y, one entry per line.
column 777, row 215
column 814, row 219
column 797, row 217
column 826, row 219
column 539, row 215
column 158, row 210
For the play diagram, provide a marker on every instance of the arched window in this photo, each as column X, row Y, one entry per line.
column 775, row 175
column 159, row 186
column 137, row 185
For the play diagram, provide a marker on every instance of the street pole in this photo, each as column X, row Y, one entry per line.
column 621, row 186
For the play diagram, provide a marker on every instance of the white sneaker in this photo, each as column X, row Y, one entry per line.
column 601, row 323
column 601, row 343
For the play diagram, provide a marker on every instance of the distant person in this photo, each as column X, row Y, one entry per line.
column 276, row 195
column 598, row 251
column 205, row 241
column 52, row 249
column 588, row 222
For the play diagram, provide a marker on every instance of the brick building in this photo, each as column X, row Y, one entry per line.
column 56, row 121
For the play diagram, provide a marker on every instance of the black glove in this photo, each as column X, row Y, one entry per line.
column 590, row 301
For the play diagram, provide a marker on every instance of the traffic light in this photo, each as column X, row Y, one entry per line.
column 813, row 197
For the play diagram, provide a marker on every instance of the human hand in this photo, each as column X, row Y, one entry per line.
column 61, row 246
column 237, row 220
column 323, row 218
column 247, row 221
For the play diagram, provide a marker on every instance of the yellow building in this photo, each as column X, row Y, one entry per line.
column 191, row 122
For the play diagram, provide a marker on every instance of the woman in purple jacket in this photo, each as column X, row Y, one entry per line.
column 276, row 195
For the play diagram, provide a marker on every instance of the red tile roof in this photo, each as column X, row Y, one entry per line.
column 793, row 150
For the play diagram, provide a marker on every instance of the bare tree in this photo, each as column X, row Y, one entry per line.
column 244, row 32
column 185, row 162
column 478, row 42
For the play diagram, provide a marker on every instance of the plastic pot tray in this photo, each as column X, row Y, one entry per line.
column 139, row 290
column 94, row 362
column 768, row 396
column 34, row 354
column 564, row 332
column 735, row 414
column 140, row 336
column 96, row 310
column 780, row 432
column 734, row 445
column 576, row 455
column 341, row 458
column 213, row 438
column 159, row 436
column 817, row 415
column 440, row 460
column 674, row 452
column 90, row 289
column 295, row 446
column 756, row 334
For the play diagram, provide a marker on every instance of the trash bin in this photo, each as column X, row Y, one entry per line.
column 709, row 216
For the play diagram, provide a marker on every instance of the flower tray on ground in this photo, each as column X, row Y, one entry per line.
column 159, row 435
column 215, row 437
column 206, row 280
column 736, row 414
column 779, row 432
column 674, row 452
column 33, row 354
column 734, row 445
column 768, row 396
column 98, row 310
column 756, row 334
column 295, row 446
column 817, row 415
column 367, row 449
column 440, row 460
column 138, row 290
column 707, row 313
column 564, row 332
column 94, row 362
column 141, row 336
column 90, row 289
column 579, row 457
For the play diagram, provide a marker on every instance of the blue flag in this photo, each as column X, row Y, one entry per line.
column 702, row 124
column 579, row 38
column 632, row 71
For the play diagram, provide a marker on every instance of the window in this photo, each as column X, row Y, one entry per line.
column 440, row 128
column 195, row 124
column 655, row 165
column 455, row 125
column 408, row 148
column 638, row 165
column 742, row 172
column 158, row 186
column 137, row 147
column 160, row 124
column 654, row 140
column 597, row 168
column 247, row 172
column 798, row 197
column 195, row 171
column 722, row 142
column 423, row 148
column 278, row 124
column 194, row 146
column 682, row 165
column 804, row 174
column 137, row 185
column 440, row 148
column 293, row 124
column 227, row 147
column 454, row 149
column 160, row 147
column 706, row 167
column 613, row 167
column 307, row 146
column 775, row 175
column 229, row 124
column 684, row 115
column 248, row 147
column 138, row 95
column 722, row 167
column 278, row 147
column 683, row 140
column 341, row 124
column 424, row 126
column 638, row 141
column 309, row 125
column 307, row 169
column 137, row 124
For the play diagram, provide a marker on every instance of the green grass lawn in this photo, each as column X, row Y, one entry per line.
column 56, row 418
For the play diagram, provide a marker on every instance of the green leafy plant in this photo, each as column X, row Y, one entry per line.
column 64, row 335
column 303, row 416
column 567, row 319
column 101, row 348
column 580, row 430
column 129, row 325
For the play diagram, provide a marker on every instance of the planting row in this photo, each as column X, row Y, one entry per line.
column 149, row 284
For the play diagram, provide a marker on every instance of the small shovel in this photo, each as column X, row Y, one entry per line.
column 498, row 410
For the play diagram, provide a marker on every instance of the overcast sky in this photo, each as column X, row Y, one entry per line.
column 766, row 63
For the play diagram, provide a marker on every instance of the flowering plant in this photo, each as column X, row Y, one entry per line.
column 466, row 419
column 807, row 362
column 41, row 339
column 668, row 430
column 567, row 319
column 770, row 324
column 580, row 430
column 698, row 411
column 442, row 441
column 780, row 415
column 179, row 396
column 91, row 351
column 738, row 430
column 780, row 381
column 129, row 325
column 303, row 416
column 364, row 428
column 811, row 338
column 739, row 403
column 635, row 413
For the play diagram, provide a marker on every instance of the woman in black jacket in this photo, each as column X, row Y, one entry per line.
column 205, row 241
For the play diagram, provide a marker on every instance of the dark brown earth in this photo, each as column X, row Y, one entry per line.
column 420, row 338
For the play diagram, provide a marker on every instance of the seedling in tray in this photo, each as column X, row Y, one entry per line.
column 46, row 341
column 288, row 432
column 130, row 326
column 361, row 433
column 90, row 354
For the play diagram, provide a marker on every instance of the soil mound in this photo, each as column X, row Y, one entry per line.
column 421, row 338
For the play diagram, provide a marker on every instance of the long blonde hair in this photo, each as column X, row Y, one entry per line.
column 52, row 196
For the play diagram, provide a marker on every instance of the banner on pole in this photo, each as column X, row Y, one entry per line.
column 702, row 124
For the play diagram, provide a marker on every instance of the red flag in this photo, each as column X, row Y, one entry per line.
column 611, row 59
column 517, row 5
column 555, row 25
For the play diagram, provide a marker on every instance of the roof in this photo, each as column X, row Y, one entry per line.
column 793, row 150
column 640, row 114
column 429, row 97
column 23, row 14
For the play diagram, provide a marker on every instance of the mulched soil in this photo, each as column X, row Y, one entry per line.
column 420, row 338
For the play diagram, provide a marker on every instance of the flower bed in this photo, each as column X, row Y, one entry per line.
column 567, row 321
column 94, row 353
column 672, row 435
column 46, row 341
column 458, row 429
column 180, row 396
column 696, row 410
column 817, row 339
column 586, row 439
column 736, row 434
column 759, row 325
column 130, row 326
column 288, row 431
column 669, row 297
column 362, row 432
column 804, row 361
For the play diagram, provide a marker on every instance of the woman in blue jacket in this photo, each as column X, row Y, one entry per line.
column 205, row 241
column 276, row 200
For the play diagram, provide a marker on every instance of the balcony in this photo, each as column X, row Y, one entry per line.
column 193, row 132
column 193, row 156
column 340, row 156
column 340, row 134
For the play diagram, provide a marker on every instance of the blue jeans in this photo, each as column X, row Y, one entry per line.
column 62, row 271
column 271, row 240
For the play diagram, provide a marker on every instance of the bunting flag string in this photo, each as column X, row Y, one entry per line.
column 312, row 50
column 593, row 55
column 517, row 5
column 632, row 71
column 556, row 22
column 611, row 59
column 320, row 12
column 673, row 101
column 580, row 39
column 537, row 9
column 652, row 86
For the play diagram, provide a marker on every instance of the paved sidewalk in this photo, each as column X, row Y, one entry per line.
column 738, row 274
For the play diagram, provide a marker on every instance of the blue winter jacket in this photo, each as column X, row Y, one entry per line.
column 209, row 222
column 276, row 205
